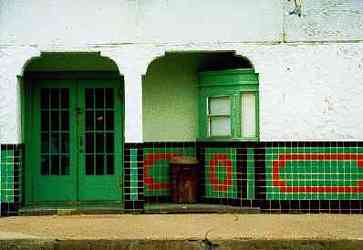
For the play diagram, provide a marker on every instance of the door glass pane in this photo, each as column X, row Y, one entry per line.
column 89, row 96
column 219, row 105
column 99, row 133
column 220, row 126
column 109, row 98
column 248, row 116
column 100, row 98
column 54, row 129
column 100, row 120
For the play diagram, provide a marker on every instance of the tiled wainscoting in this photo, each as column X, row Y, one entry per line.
column 279, row 177
column 11, row 174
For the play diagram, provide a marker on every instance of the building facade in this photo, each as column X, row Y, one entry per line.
column 96, row 98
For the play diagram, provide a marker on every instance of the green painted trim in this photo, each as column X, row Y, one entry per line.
column 236, row 118
column 75, row 75
column 229, row 71
column 257, row 93
column 28, row 127
column 228, row 77
column 232, row 83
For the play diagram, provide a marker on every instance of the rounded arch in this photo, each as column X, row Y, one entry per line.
column 70, row 61
column 208, row 60
column 174, row 77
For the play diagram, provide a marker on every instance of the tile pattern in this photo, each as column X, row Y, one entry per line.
column 224, row 172
column 133, row 177
column 277, row 177
column 157, row 156
column 313, row 177
column 11, row 159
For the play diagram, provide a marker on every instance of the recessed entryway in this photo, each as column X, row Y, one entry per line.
column 73, row 132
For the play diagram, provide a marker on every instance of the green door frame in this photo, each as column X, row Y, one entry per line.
column 27, row 82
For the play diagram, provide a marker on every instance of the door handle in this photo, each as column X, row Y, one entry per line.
column 81, row 144
column 78, row 111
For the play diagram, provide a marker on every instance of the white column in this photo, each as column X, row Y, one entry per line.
column 12, row 63
column 133, row 107
column 132, row 63
column 9, row 109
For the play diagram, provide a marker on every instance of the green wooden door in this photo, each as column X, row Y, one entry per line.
column 76, row 141
column 100, row 134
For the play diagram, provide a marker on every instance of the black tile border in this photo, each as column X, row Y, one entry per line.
column 251, row 144
column 169, row 144
column 9, row 209
column 133, row 205
column 310, row 144
column 312, row 206
column 200, row 154
column 260, row 173
column 158, row 199
column 12, row 147
column 241, row 173
column 222, row 201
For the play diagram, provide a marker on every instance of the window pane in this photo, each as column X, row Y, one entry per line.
column 220, row 126
column 248, row 117
column 219, row 105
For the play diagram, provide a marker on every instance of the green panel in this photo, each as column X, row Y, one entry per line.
column 51, row 154
column 160, row 170
column 101, row 137
column 315, row 173
column 59, row 170
column 7, row 176
column 221, row 174
column 228, row 77
column 250, row 174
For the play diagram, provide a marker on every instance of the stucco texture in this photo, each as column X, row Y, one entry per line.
column 170, row 99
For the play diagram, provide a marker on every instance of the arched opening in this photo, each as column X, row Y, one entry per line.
column 72, row 112
column 177, row 90
column 170, row 92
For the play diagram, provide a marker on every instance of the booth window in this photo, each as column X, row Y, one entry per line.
column 228, row 103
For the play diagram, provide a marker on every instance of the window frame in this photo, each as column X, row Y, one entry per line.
column 209, row 115
column 233, row 84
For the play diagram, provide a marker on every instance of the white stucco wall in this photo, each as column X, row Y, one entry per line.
column 325, row 20
column 310, row 68
column 138, row 21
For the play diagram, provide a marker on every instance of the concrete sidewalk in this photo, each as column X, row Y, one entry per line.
column 187, row 231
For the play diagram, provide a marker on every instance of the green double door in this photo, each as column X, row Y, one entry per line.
column 76, row 141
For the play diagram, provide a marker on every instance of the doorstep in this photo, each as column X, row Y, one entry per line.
column 43, row 210
column 152, row 208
